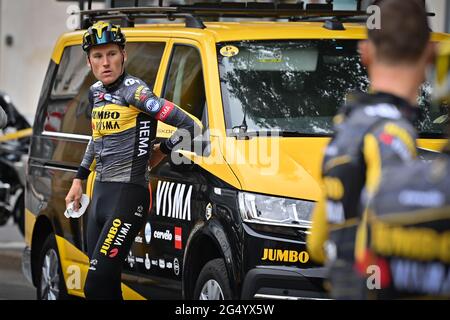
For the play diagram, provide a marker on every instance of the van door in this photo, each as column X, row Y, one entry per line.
column 175, row 188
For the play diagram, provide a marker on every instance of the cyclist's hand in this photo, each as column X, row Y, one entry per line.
column 74, row 194
column 157, row 156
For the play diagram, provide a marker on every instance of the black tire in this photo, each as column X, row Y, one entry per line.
column 52, row 285
column 214, row 274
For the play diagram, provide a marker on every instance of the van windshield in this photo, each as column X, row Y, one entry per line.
column 295, row 88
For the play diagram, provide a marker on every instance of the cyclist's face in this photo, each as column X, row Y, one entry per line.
column 106, row 62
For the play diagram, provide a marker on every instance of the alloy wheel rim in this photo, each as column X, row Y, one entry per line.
column 50, row 276
column 211, row 290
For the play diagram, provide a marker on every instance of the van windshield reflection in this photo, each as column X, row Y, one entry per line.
column 295, row 88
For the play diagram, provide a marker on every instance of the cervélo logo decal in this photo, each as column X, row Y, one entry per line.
column 166, row 235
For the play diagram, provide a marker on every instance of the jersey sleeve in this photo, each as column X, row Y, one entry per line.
column 389, row 144
column 139, row 95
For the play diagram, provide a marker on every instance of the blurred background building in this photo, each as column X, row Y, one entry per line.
column 30, row 28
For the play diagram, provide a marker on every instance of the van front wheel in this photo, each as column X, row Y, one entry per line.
column 50, row 284
column 213, row 282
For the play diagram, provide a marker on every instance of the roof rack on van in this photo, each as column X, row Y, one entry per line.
column 267, row 9
column 129, row 14
column 193, row 13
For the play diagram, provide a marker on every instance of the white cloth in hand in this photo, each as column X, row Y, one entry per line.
column 70, row 213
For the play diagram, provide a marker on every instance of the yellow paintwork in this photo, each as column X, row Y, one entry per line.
column 289, row 168
column 30, row 221
column 432, row 144
column 217, row 32
column 229, row 31
column 16, row 135
column 215, row 163
column 66, row 249
column 90, row 183
column 71, row 256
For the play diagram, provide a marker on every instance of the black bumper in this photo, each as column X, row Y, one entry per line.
column 284, row 283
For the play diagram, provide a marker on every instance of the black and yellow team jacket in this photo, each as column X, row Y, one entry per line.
column 372, row 132
column 124, row 121
column 409, row 231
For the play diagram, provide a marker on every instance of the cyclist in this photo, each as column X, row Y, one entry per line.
column 372, row 132
column 125, row 112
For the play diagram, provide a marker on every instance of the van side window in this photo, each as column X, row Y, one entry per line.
column 68, row 108
column 184, row 83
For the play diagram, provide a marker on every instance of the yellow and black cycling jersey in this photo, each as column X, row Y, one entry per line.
column 124, row 119
column 372, row 132
column 409, row 231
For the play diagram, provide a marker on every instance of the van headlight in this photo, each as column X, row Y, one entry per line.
column 274, row 210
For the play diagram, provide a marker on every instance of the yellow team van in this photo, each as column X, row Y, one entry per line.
column 229, row 216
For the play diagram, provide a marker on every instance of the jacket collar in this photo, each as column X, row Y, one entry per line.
column 116, row 84
column 408, row 111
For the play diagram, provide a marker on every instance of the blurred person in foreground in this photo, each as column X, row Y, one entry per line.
column 372, row 132
column 408, row 243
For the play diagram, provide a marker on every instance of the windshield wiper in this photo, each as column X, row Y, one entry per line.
column 242, row 128
column 283, row 133
column 301, row 134
column 244, row 134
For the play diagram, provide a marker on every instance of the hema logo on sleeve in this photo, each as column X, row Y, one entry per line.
column 173, row 202
column 164, row 111
column 144, row 137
